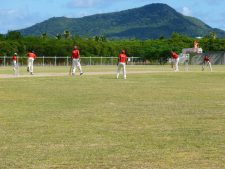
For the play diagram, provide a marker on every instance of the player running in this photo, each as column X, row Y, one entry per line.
column 30, row 61
column 175, row 60
column 122, row 59
column 75, row 56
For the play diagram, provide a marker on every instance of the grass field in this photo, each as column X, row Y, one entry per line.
column 159, row 120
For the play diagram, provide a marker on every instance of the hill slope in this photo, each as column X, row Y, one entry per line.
column 150, row 21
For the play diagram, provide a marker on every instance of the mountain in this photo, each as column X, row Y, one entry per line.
column 150, row 21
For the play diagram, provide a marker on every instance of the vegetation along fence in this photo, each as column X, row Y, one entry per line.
column 217, row 58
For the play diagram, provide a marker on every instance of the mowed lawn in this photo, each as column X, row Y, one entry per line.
column 159, row 120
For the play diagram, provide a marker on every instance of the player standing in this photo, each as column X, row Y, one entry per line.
column 186, row 61
column 122, row 59
column 75, row 56
column 30, row 61
column 14, row 60
column 206, row 62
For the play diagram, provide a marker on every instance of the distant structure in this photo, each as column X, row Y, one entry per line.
column 185, row 55
column 195, row 49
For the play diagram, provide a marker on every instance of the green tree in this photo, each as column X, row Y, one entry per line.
column 13, row 35
column 67, row 34
column 44, row 35
column 59, row 36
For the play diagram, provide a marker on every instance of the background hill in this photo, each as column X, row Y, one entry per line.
column 150, row 21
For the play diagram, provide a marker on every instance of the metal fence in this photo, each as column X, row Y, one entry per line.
column 65, row 61
column 217, row 58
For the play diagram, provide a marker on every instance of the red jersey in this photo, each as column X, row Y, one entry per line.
column 75, row 54
column 206, row 58
column 31, row 55
column 14, row 57
column 122, row 58
column 174, row 55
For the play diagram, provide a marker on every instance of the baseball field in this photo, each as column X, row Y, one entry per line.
column 155, row 119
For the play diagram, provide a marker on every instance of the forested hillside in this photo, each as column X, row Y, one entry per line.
column 147, row 22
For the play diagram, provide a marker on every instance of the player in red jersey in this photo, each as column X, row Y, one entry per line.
column 75, row 56
column 206, row 62
column 122, row 59
column 31, row 56
column 14, row 60
column 175, row 60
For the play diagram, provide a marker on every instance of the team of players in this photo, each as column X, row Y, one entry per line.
column 122, row 61
column 175, row 59
column 75, row 58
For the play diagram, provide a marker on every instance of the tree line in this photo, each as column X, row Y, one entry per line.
column 62, row 45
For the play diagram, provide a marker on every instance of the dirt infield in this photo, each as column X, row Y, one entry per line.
column 5, row 76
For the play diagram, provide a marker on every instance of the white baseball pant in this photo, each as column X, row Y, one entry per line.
column 123, row 66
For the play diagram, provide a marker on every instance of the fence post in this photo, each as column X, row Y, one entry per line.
column 101, row 60
column 224, row 59
column 67, row 61
column 55, row 60
column 90, row 60
column 4, row 61
column 43, row 61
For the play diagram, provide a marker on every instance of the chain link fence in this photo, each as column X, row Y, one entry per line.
column 216, row 58
column 65, row 61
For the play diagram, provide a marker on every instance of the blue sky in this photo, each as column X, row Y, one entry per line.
column 18, row 14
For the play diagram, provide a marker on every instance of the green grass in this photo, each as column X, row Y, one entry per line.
column 158, row 120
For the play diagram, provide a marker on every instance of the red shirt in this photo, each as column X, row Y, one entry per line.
column 174, row 55
column 14, row 57
column 31, row 55
column 206, row 58
column 122, row 58
column 75, row 54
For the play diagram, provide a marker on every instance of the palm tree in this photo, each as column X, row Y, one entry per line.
column 67, row 34
column 44, row 35
column 212, row 35
column 59, row 36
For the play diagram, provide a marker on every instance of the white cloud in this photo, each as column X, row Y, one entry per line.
column 186, row 11
column 13, row 19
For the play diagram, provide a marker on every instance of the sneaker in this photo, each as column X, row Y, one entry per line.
column 31, row 73
column 81, row 73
